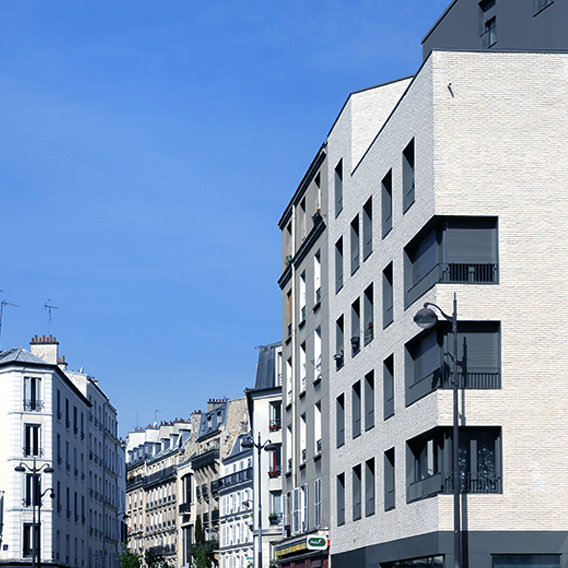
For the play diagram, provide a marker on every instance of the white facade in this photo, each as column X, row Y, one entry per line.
column 469, row 149
column 236, row 508
column 46, row 417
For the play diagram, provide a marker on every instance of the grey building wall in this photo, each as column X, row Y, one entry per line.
column 520, row 25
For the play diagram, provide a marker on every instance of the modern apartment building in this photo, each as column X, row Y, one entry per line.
column 305, row 339
column 265, row 413
column 236, row 507
column 51, row 419
column 153, row 456
column 500, row 25
column 446, row 183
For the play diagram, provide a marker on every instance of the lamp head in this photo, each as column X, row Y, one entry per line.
column 270, row 447
column 247, row 442
column 20, row 468
column 48, row 470
column 425, row 318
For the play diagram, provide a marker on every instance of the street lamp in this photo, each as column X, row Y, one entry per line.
column 268, row 446
column 426, row 318
column 36, row 495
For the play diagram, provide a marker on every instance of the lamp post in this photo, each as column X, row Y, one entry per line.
column 36, row 496
column 38, row 549
column 268, row 446
column 426, row 318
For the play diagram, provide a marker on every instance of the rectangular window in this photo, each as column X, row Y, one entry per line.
column 289, row 303
column 386, row 205
column 429, row 462
column 303, row 368
column 302, row 297
column 338, row 265
column 368, row 316
column 317, row 503
column 339, row 187
column 302, row 219
column 340, row 499
column 389, row 480
column 356, row 492
column 339, row 343
column 526, row 560
column 317, row 354
column 387, row 296
column 303, row 439
column 369, row 400
column 275, row 416
column 75, row 420
column 289, row 447
column 455, row 250
column 32, row 440
column 408, row 175
column 354, row 245
column 370, row 487
column 32, row 394
column 33, row 488
column 340, row 420
column 67, row 417
column 355, row 328
column 356, row 409
column 428, row 363
column 27, row 544
column 488, row 23
column 305, row 502
column 59, row 413
column 289, row 381
column 317, row 428
column 368, row 228
column 317, row 279
column 388, row 387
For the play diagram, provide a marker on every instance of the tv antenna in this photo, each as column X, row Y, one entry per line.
column 2, row 304
column 49, row 308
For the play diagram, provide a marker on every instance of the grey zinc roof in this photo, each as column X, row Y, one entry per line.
column 266, row 367
column 19, row 355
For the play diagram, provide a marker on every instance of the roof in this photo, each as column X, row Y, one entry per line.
column 266, row 367
column 19, row 355
column 237, row 449
column 212, row 421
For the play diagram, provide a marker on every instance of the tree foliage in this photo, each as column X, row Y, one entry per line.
column 127, row 558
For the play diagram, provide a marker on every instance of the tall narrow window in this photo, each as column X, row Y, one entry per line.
column 340, row 499
column 33, row 486
column 370, row 487
column 355, row 328
column 356, row 409
column 302, row 297
column 27, row 544
column 340, row 420
column 357, row 492
column 368, row 316
column 388, row 387
column 289, row 305
column 488, row 23
column 302, row 218
column 369, row 400
column 317, row 503
column 338, row 265
column 387, row 296
column 368, row 228
column 32, row 440
column 317, row 279
column 354, row 244
column 408, row 176
column 32, row 394
column 289, row 381
column 303, row 370
column 289, row 447
column 317, row 181
column 389, row 480
column 386, row 205
column 317, row 354
column 338, row 188
column 303, row 440
column 59, row 413
column 317, row 428
column 339, row 343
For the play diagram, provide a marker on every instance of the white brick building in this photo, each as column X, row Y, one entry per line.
column 451, row 182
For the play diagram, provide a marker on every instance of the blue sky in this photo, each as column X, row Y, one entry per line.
column 148, row 150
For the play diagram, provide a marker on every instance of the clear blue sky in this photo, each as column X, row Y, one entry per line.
column 148, row 149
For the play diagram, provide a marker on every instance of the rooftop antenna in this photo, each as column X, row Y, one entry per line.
column 156, row 416
column 2, row 304
column 49, row 308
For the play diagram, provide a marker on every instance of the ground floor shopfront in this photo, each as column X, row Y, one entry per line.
column 497, row 549
column 310, row 551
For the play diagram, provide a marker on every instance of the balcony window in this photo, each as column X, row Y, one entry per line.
column 32, row 440
column 488, row 23
column 302, row 298
column 339, row 345
column 317, row 354
column 429, row 462
column 455, row 250
column 32, row 394
column 428, row 362
column 317, row 279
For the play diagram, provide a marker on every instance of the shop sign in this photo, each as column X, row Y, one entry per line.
column 316, row 543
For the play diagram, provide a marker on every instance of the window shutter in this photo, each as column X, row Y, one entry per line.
column 424, row 257
column 426, row 356
column 471, row 241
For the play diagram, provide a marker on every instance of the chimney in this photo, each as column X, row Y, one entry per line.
column 46, row 348
column 62, row 363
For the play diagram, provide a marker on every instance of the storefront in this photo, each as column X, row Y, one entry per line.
column 310, row 551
